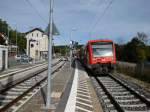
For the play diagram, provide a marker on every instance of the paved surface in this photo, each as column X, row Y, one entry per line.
column 63, row 84
column 4, row 82
column 82, row 97
column 37, row 102
column 11, row 79
column 86, row 98
column 19, row 89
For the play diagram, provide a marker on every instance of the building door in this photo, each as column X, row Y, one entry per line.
column 3, row 59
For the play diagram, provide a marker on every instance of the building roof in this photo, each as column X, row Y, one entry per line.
column 46, row 32
column 39, row 29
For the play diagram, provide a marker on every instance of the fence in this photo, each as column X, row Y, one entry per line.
column 12, row 62
column 141, row 71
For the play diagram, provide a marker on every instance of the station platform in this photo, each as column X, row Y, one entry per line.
column 72, row 91
column 23, row 66
column 18, row 67
column 81, row 97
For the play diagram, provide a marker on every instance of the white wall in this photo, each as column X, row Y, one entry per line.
column 3, row 48
column 44, row 43
column 41, row 43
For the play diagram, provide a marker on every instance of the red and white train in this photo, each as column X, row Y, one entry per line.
column 99, row 55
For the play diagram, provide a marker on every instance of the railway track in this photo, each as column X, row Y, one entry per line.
column 17, row 76
column 117, row 95
column 23, row 70
column 13, row 94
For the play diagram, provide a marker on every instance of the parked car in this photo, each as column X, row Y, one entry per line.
column 25, row 58
column 18, row 57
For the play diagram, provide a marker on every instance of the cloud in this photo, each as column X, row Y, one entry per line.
column 123, row 19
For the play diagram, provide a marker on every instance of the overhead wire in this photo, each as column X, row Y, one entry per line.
column 101, row 16
column 99, row 4
column 63, row 40
column 42, row 3
column 38, row 13
column 97, row 15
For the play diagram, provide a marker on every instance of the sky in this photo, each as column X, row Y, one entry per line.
column 81, row 20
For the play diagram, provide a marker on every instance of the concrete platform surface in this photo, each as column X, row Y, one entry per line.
column 72, row 91
column 38, row 101
column 82, row 96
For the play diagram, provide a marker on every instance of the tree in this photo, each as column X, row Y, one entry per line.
column 119, row 52
column 137, row 50
column 148, row 53
column 12, row 36
column 141, row 55
column 133, row 51
column 62, row 49
column 3, row 27
column 141, row 36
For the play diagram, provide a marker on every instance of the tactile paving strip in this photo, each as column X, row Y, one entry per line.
column 83, row 98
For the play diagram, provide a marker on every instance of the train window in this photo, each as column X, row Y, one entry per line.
column 102, row 49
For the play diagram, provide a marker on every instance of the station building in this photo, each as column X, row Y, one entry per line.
column 37, row 44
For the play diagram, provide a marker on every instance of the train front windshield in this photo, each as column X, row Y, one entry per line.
column 102, row 49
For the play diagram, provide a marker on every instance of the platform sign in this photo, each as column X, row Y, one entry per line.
column 54, row 32
column 73, row 44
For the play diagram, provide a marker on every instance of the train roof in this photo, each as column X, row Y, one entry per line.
column 100, row 40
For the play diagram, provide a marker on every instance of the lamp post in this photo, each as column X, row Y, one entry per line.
column 16, row 42
column 48, row 100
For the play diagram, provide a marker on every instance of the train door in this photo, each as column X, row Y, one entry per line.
column 3, row 59
column 87, row 55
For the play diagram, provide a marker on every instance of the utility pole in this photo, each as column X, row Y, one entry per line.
column 9, row 48
column 53, row 48
column 73, row 29
column 70, row 53
column 66, row 50
column 16, row 42
column 8, row 34
column 48, row 101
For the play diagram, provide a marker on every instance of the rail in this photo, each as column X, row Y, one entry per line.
column 31, row 82
column 116, row 95
column 19, row 71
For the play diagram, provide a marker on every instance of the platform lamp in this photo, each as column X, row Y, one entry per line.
column 48, row 100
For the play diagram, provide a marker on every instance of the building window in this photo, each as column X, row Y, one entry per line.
column 32, row 45
column 32, row 34
column 37, row 34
